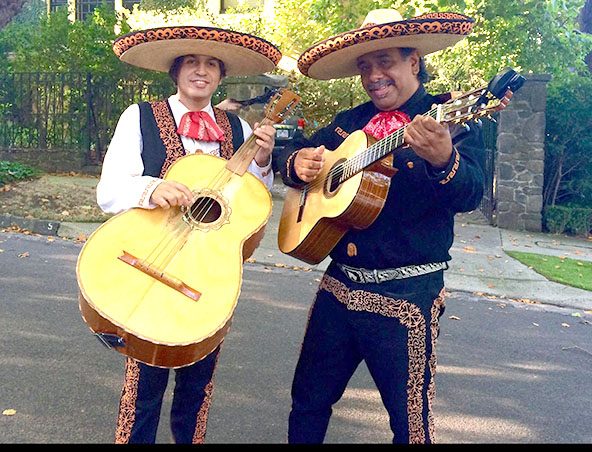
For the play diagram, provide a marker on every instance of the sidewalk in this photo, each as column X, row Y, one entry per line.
column 478, row 264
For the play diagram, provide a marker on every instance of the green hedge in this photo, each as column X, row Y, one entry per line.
column 571, row 220
column 10, row 171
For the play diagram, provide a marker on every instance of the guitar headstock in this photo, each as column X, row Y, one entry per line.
column 483, row 101
column 280, row 105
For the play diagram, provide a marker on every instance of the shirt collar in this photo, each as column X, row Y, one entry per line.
column 179, row 109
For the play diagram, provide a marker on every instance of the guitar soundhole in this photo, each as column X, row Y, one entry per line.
column 205, row 210
column 334, row 178
column 209, row 211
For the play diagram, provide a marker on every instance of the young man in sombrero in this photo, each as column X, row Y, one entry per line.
column 382, row 294
column 150, row 137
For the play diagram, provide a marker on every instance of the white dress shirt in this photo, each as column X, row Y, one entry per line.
column 122, row 185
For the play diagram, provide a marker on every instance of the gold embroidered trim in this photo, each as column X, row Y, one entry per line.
column 434, row 330
column 168, row 134
column 431, row 23
column 199, row 435
column 454, row 168
column 127, row 405
column 289, row 162
column 247, row 41
column 342, row 133
column 226, row 149
column 411, row 317
column 146, row 190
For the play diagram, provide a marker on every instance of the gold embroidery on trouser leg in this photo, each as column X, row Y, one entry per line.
column 199, row 435
column 410, row 316
column 434, row 329
column 127, row 405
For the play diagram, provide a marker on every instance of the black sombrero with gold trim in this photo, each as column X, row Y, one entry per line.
column 383, row 28
column 157, row 48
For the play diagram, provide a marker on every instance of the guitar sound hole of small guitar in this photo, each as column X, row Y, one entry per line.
column 205, row 210
column 333, row 180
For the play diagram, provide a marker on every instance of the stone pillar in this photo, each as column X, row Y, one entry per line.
column 520, row 158
column 243, row 88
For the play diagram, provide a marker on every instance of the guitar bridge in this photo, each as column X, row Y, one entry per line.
column 163, row 277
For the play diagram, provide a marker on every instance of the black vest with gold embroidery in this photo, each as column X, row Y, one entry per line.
column 162, row 144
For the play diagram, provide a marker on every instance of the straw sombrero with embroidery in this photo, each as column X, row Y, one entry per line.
column 382, row 29
column 157, row 48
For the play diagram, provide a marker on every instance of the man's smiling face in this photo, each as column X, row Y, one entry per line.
column 389, row 78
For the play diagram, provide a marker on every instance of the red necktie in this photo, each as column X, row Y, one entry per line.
column 385, row 123
column 201, row 126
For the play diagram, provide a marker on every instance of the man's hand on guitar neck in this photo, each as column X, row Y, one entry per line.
column 309, row 162
column 430, row 140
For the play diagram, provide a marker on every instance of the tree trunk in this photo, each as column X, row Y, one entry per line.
column 9, row 9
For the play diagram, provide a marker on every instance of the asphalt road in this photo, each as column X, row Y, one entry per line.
column 507, row 372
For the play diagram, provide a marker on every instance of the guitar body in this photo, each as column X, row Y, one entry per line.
column 309, row 232
column 179, row 309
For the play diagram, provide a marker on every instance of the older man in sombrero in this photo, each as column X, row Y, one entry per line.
column 151, row 136
column 382, row 295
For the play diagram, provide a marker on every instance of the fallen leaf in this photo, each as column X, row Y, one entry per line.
column 565, row 325
column 535, row 324
column 26, row 254
column 453, row 317
column 9, row 412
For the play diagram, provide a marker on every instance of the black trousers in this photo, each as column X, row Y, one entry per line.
column 142, row 395
column 393, row 328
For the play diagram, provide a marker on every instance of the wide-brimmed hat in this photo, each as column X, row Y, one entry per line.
column 157, row 48
column 382, row 29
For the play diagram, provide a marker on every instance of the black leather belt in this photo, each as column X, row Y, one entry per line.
column 365, row 276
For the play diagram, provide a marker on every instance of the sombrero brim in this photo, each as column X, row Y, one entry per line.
column 336, row 57
column 157, row 48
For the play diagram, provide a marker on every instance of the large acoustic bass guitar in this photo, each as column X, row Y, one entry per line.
column 161, row 285
column 351, row 189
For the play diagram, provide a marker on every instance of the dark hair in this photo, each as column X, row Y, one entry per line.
column 422, row 75
column 176, row 66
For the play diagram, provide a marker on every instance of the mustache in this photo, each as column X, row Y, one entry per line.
column 380, row 83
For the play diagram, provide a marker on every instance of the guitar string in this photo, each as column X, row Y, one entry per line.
column 381, row 148
column 198, row 211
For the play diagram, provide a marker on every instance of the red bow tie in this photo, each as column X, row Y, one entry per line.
column 201, row 126
column 385, row 123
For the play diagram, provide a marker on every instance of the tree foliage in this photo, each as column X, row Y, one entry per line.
column 533, row 36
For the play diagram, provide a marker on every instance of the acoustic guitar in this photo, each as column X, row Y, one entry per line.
column 351, row 189
column 161, row 285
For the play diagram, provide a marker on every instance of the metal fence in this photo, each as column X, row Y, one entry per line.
column 487, row 205
column 69, row 110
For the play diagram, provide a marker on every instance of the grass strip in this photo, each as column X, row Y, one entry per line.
column 564, row 270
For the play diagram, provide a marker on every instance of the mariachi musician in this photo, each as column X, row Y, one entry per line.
column 149, row 138
column 382, row 294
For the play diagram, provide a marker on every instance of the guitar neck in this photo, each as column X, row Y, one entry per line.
column 242, row 158
column 377, row 151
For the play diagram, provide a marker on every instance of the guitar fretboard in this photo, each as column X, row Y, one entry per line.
column 375, row 152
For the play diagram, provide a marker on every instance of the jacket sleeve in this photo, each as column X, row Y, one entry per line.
column 460, row 184
column 285, row 159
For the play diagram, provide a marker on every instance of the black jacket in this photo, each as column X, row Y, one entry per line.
column 416, row 225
